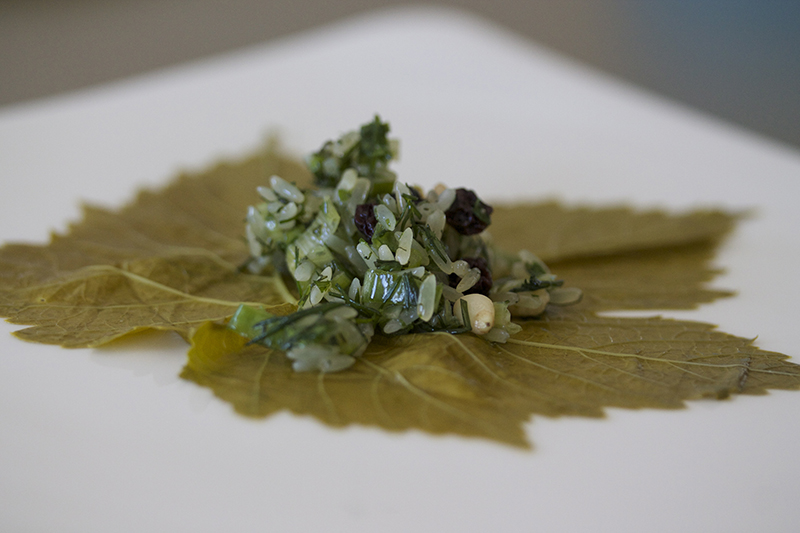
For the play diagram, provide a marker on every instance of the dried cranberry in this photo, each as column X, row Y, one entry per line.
column 467, row 214
column 365, row 220
column 483, row 285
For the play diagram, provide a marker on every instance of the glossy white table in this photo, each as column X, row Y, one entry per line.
column 113, row 440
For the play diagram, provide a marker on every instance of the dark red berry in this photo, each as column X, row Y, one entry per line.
column 483, row 285
column 467, row 214
column 365, row 220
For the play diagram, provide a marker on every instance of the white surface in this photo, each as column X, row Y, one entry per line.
column 112, row 440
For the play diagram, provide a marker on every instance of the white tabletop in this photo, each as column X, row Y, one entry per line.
column 113, row 440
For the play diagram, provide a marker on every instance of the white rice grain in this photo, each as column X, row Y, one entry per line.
column 304, row 271
column 287, row 212
column 316, row 295
column 404, row 247
column 392, row 326
column 460, row 268
column 355, row 289
column 266, row 193
column 286, row 190
column 436, row 221
column 427, row 298
column 385, row 217
column 469, row 280
column 446, row 199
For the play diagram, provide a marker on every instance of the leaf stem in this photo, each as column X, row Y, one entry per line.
column 636, row 356
column 283, row 289
column 166, row 288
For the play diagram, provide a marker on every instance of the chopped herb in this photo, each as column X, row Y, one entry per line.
column 432, row 243
column 414, row 195
column 374, row 150
column 534, row 284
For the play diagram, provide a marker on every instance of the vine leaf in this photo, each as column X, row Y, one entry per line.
column 569, row 364
column 170, row 259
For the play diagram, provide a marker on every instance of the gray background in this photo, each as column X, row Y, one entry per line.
column 736, row 59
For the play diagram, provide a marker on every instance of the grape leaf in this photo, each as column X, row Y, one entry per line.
column 170, row 261
column 569, row 363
